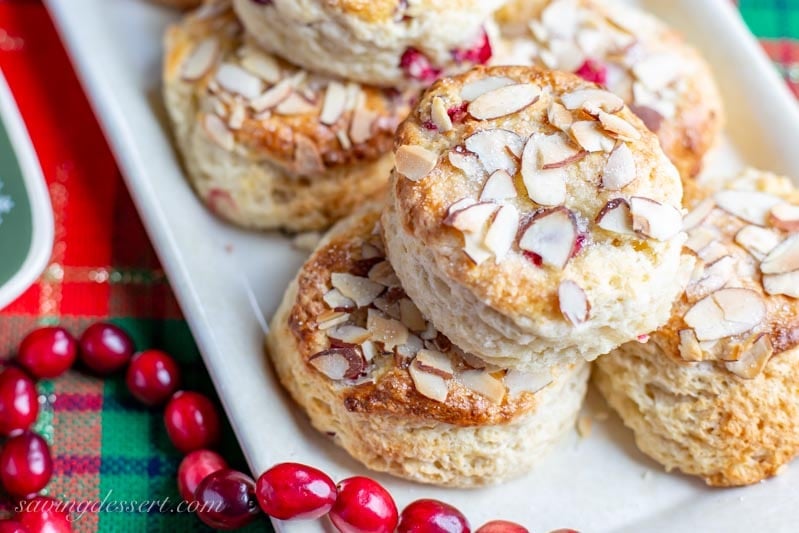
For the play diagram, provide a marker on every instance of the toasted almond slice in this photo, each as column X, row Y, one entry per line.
column 502, row 232
column 369, row 350
column 504, row 101
column 559, row 116
column 273, row 96
column 751, row 206
column 725, row 313
column 475, row 249
column 361, row 127
column 474, row 89
column 473, row 218
column 389, row 308
column 439, row 115
column 592, row 98
column 757, row 241
column 784, row 217
column 658, row 70
column 499, row 186
column 361, row 290
column 701, row 237
column 349, row 334
column 338, row 363
column 619, row 127
column 435, row 362
column 201, row 59
column 217, row 131
column 555, row 151
column 430, row 333
column 389, row 331
column 429, row 385
column 383, row 273
column 411, row 316
column 545, row 187
column 335, row 102
column 235, row 79
column 787, row 284
column 496, row 149
column 463, row 203
column 335, row 300
column 573, row 302
column 783, row 258
column 264, row 66
column 616, row 217
column 329, row 319
column 698, row 214
column 467, row 162
column 294, row 104
column 655, row 220
column 415, row 162
column 754, row 359
column 713, row 251
column 410, row 348
column 370, row 251
column 711, row 277
column 551, row 234
column 689, row 347
column 590, row 136
column 532, row 382
column 484, row 384
column 619, row 169
column 307, row 158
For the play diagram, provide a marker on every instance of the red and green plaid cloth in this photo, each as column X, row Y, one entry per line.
column 103, row 267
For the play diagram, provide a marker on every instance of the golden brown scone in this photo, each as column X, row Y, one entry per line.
column 662, row 79
column 715, row 392
column 265, row 144
column 371, row 372
column 533, row 217
column 388, row 43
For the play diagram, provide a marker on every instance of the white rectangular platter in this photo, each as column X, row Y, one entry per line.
column 229, row 282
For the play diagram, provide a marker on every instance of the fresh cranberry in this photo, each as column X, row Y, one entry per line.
column 194, row 468
column 227, row 500
column 44, row 515
column 479, row 53
column 593, row 71
column 25, row 464
column 48, row 352
column 417, row 66
column 292, row 490
column 191, row 421
column 363, row 506
column 432, row 516
column 19, row 405
column 152, row 377
column 428, row 125
column 502, row 526
column 105, row 348
column 579, row 242
column 458, row 113
column 12, row 526
column 533, row 257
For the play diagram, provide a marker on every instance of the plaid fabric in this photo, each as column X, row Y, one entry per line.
column 103, row 267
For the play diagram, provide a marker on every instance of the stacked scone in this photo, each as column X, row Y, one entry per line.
column 290, row 124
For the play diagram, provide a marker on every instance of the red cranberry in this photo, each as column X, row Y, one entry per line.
column 152, row 377
column 191, row 421
column 25, row 464
column 479, row 53
column 432, row 516
column 105, row 348
column 227, row 500
column 19, row 405
column 593, row 71
column 458, row 113
column 12, row 526
column 363, row 506
column 48, row 352
column 417, row 66
column 579, row 242
column 292, row 490
column 44, row 515
column 533, row 257
column 501, row 526
column 195, row 467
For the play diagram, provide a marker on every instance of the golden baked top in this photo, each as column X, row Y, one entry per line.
column 353, row 322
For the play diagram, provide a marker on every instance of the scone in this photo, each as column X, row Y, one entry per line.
column 636, row 56
column 715, row 392
column 265, row 144
column 533, row 217
column 389, row 43
column 373, row 374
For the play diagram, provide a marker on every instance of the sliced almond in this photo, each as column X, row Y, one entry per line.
column 619, row 127
column 502, row 232
column 410, row 348
column 551, row 234
column 658, row 70
column 504, row 101
column 545, row 187
column 559, row 116
column 349, row 334
column 757, row 241
column 592, row 98
column 786, row 284
column 335, row 300
column 335, row 102
column 472, row 219
column 555, row 151
column 698, row 214
column 484, row 384
column 389, row 331
column 218, row 132
column 711, row 278
column 383, row 273
column 499, row 186
column 573, row 302
column 272, row 96
column 361, row 127
column 532, row 382
column 701, row 237
column 619, row 169
column 473, row 89
column 784, row 217
column 435, row 362
column 655, row 220
column 369, row 350
column 361, row 290
column 236, row 80
column 370, row 251
column 338, row 363
column 475, row 249
column 411, row 316
column 331, row 318
column 689, row 347
column 201, row 59
column 294, row 104
column 466, row 162
column 590, row 136
column 751, row 206
column 463, row 203
column 415, row 162
column 428, row 384
column 307, row 158
column 439, row 115
column 388, row 307
column 496, row 149
column 264, row 66
column 754, row 359
column 725, row 313
column 713, row 251
column 616, row 217
column 783, row 258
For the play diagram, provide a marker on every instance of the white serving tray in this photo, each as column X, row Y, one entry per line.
column 229, row 282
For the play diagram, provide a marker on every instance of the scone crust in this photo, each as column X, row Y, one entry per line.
column 381, row 418
column 519, row 321
column 690, row 117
